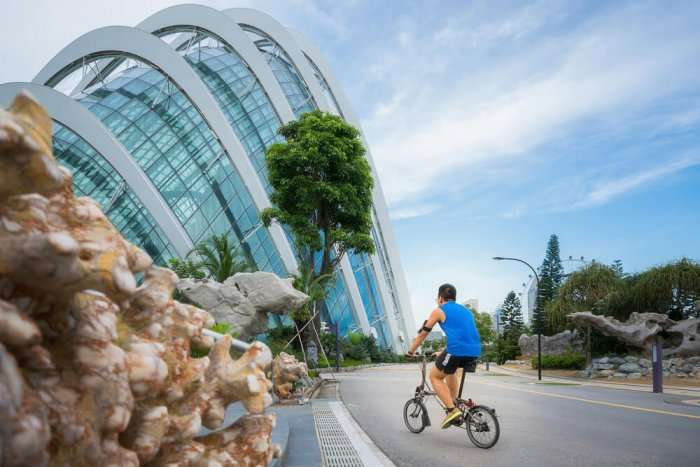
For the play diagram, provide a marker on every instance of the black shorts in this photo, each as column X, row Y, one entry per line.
column 448, row 363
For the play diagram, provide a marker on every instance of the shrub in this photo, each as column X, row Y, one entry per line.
column 567, row 361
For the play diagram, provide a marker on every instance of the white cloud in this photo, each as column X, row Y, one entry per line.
column 608, row 190
column 439, row 124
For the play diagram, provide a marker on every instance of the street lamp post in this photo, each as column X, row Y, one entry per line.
column 539, row 331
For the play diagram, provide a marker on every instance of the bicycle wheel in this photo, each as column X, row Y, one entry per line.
column 414, row 415
column 482, row 427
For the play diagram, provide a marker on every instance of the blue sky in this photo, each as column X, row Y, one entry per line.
column 492, row 124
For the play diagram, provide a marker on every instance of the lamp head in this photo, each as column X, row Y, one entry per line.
column 498, row 258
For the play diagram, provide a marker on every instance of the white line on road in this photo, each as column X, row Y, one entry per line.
column 591, row 401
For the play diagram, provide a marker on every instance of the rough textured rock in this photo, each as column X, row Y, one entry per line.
column 95, row 370
column 286, row 370
column 640, row 330
column 551, row 345
column 244, row 299
column 684, row 338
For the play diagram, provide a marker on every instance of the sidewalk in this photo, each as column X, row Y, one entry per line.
column 676, row 390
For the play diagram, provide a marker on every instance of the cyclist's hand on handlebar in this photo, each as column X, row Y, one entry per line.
column 411, row 355
column 436, row 354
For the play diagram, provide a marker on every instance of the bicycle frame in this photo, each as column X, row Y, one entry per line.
column 425, row 390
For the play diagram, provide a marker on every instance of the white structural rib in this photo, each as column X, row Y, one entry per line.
column 269, row 26
column 302, row 54
column 225, row 29
column 136, row 43
column 213, row 21
column 80, row 120
column 315, row 56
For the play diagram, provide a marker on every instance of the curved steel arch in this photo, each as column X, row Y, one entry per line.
column 278, row 33
column 224, row 28
column 302, row 54
column 122, row 40
column 77, row 118
column 314, row 56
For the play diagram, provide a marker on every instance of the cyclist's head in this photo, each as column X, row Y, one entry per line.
column 447, row 292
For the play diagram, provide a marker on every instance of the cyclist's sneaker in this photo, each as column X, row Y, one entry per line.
column 451, row 416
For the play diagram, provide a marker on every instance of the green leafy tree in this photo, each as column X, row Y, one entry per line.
column 220, row 258
column 484, row 324
column 511, row 318
column 322, row 189
column 551, row 275
column 672, row 289
column 587, row 289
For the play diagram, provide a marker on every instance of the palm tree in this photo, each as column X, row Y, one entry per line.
column 220, row 257
column 315, row 287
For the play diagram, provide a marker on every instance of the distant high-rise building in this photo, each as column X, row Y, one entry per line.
column 496, row 318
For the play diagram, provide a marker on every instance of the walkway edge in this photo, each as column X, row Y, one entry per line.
column 675, row 390
column 370, row 454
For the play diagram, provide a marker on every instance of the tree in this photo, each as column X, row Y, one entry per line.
column 484, row 325
column 617, row 267
column 587, row 289
column 511, row 317
column 322, row 189
column 672, row 289
column 220, row 258
column 551, row 275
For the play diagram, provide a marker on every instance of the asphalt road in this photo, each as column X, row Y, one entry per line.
column 541, row 425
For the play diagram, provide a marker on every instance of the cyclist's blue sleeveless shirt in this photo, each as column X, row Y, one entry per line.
column 462, row 337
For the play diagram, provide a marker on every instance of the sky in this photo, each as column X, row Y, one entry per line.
column 492, row 124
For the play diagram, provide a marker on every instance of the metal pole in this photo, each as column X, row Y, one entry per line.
column 337, row 347
column 657, row 360
column 539, row 356
column 539, row 331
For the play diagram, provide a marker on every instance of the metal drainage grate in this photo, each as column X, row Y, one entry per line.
column 336, row 448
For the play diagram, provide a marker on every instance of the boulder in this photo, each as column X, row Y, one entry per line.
column 606, row 373
column 244, row 299
column 557, row 344
column 631, row 359
column 617, row 360
column 287, row 370
column 619, row 375
column 266, row 292
column 603, row 366
column 645, row 363
column 603, row 360
column 95, row 369
column 634, row 375
column 629, row 368
column 640, row 330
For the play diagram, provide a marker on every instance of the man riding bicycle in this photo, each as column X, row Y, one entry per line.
column 463, row 347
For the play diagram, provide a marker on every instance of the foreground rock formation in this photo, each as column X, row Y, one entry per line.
column 557, row 344
column 287, row 370
column 244, row 300
column 94, row 369
column 639, row 331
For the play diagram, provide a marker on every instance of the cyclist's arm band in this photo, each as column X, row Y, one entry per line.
column 425, row 328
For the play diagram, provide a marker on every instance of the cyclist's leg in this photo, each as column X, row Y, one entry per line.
column 437, row 378
column 453, row 382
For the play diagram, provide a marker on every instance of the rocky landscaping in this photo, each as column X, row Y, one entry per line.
column 632, row 367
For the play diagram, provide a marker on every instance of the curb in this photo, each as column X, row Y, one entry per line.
column 353, row 368
column 675, row 390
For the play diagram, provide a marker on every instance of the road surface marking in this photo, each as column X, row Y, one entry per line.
column 593, row 401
